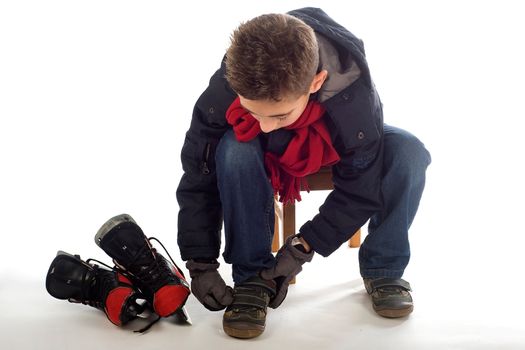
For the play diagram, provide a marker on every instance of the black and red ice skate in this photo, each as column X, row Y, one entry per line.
column 161, row 282
column 70, row 278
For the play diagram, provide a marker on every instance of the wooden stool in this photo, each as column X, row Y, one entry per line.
column 322, row 180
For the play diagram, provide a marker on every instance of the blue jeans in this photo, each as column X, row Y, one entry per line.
column 247, row 200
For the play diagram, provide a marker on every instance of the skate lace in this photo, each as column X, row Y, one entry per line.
column 153, row 271
column 106, row 283
column 99, row 290
column 93, row 291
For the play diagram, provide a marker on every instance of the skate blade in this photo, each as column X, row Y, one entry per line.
column 182, row 316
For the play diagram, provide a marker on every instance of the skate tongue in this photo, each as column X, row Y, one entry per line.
column 144, row 258
column 128, row 245
column 68, row 276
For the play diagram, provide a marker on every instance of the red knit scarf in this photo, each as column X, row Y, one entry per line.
column 309, row 150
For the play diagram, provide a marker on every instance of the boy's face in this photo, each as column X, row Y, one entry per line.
column 273, row 115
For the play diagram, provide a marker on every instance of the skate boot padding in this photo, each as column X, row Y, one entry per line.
column 70, row 278
column 161, row 282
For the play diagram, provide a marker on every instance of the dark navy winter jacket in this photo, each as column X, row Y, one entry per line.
column 355, row 121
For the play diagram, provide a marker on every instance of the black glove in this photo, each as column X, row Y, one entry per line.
column 289, row 261
column 208, row 286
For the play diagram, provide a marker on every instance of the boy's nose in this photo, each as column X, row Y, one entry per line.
column 268, row 124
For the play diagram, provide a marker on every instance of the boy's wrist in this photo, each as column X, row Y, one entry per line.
column 300, row 243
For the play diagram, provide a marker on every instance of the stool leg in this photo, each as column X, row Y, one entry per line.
column 288, row 223
column 355, row 240
column 275, row 241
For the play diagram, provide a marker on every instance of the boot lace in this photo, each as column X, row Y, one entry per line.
column 151, row 268
column 98, row 291
column 153, row 271
column 93, row 289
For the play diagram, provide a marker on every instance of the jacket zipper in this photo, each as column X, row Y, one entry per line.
column 205, row 169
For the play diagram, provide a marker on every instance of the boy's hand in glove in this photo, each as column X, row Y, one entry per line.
column 208, row 286
column 289, row 260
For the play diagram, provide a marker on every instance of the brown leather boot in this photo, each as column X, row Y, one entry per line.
column 390, row 297
column 246, row 316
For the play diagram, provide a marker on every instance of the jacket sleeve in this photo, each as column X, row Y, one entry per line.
column 357, row 176
column 200, row 213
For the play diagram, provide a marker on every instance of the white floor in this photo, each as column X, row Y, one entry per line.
column 327, row 309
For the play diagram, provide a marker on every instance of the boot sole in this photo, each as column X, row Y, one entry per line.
column 110, row 224
column 395, row 313
column 245, row 331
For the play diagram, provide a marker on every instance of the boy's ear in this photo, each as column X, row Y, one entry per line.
column 318, row 81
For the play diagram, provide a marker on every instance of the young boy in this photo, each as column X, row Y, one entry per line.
column 294, row 94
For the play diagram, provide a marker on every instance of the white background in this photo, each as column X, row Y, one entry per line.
column 95, row 98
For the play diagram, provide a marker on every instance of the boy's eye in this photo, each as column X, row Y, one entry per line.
column 282, row 118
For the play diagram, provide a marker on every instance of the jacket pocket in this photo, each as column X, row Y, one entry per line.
column 189, row 155
column 357, row 115
column 205, row 163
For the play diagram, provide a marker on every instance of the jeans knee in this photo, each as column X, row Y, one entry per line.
column 410, row 155
column 233, row 156
column 417, row 153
